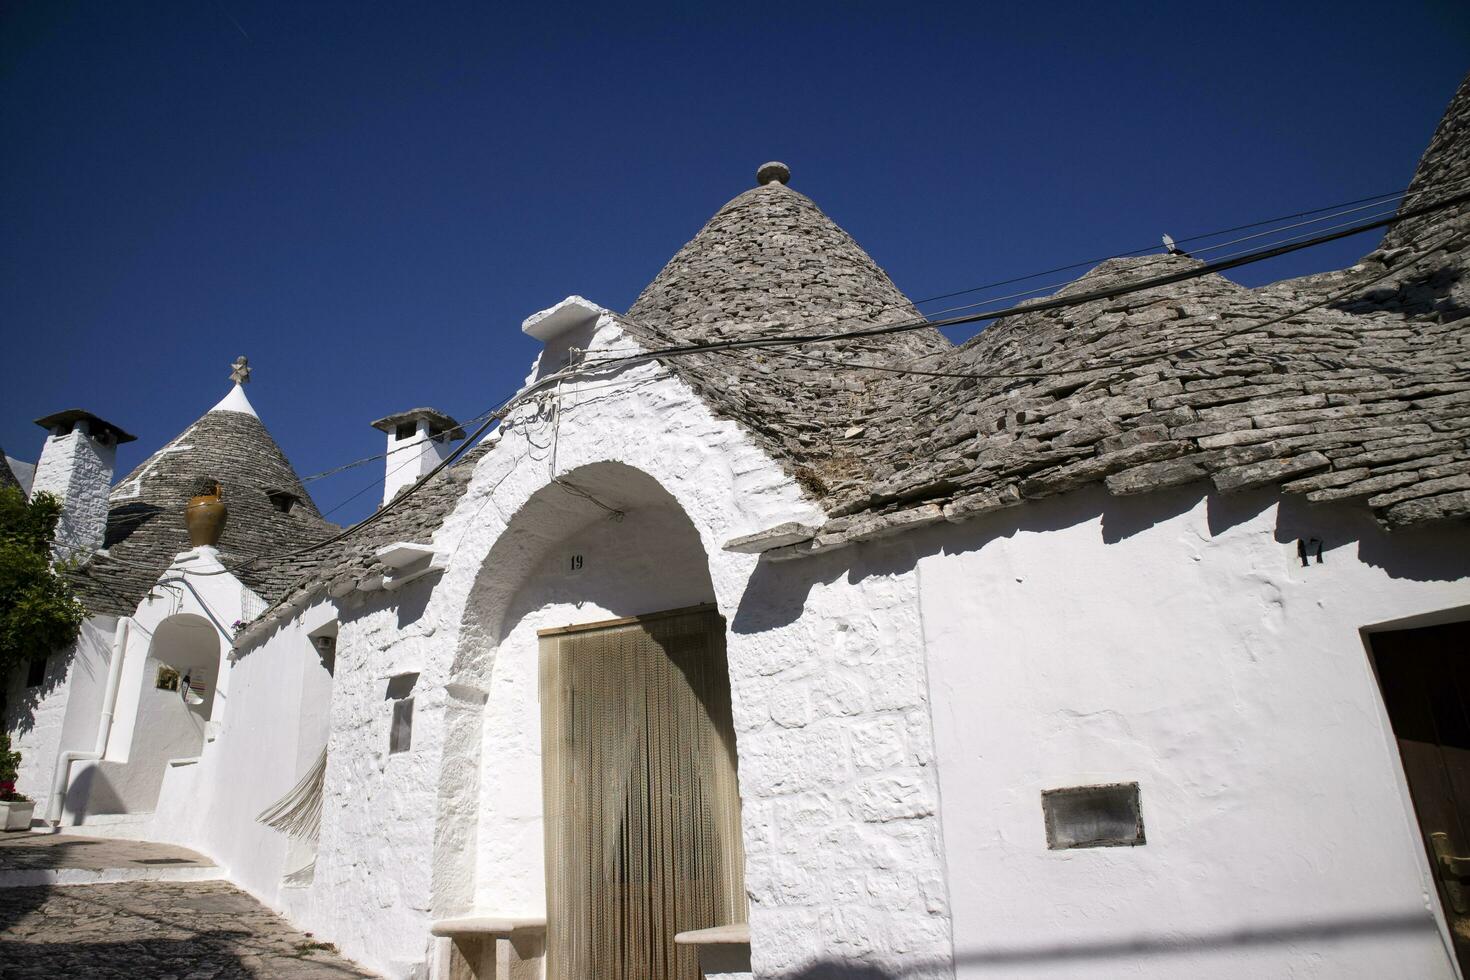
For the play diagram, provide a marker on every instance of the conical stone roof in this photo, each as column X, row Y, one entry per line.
column 770, row 262
column 7, row 478
column 270, row 511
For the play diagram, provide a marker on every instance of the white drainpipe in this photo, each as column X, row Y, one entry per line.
column 104, row 725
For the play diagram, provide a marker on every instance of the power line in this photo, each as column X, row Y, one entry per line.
column 1381, row 198
column 1138, row 361
column 1112, row 292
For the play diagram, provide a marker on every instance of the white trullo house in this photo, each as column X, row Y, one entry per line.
column 1131, row 638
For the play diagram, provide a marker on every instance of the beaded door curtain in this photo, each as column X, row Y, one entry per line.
column 642, row 805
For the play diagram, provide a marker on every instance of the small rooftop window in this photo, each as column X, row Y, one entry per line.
column 283, row 501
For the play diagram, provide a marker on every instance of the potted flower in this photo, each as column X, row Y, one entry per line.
column 15, row 808
column 205, row 514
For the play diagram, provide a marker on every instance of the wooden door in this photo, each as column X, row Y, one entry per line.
column 642, row 808
column 1425, row 676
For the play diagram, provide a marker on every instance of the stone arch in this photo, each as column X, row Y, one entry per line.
column 166, row 721
column 189, row 644
column 640, row 553
column 607, row 492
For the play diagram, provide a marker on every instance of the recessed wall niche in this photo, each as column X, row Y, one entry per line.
column 1093, row 816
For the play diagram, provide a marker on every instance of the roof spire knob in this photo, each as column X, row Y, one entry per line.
column 773, row 171
column 240, row 370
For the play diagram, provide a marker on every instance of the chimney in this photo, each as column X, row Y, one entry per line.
column 76, row 467
column 418, row 441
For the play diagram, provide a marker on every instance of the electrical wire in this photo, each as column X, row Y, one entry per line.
column 1336, row 209
column 490, row 417
column 775, row 341
column 1077, row 299
column 1381, row 198
column 1138, row 361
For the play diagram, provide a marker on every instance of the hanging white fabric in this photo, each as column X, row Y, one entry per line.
column 298, row 814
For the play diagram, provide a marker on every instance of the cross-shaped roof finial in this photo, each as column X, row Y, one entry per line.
column 240, row 370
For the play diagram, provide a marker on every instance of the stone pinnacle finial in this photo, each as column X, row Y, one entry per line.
column 775, row 170
column 240, row 370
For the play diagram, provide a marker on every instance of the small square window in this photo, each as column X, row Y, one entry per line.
column 400, row 731
column 167, row 679
column 282, row 501
column 400, row 736
column 36, row 671
column 1093, row 816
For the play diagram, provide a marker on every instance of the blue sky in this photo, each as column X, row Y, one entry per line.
column 367, row 198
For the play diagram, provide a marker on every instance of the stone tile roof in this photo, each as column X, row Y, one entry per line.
column 345, row 565
column 145, row 524
column 1364, row 397
column 770, row 262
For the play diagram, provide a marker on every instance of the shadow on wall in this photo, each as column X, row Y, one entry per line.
column 20, row 702
column 1290, row 936
column 91, row 792
column 778, row 591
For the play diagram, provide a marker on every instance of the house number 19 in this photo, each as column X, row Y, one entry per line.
column 576, row 563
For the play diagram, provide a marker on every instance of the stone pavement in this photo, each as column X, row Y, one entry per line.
column 181, row 930
column 35, row 852
column 28, row 859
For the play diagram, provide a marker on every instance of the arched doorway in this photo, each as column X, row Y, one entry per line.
column 591, row 645
column 176, row 699
column 185, row 661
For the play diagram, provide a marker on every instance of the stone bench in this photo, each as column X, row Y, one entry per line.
column 493, row 947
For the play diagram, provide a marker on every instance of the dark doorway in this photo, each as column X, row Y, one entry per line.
column 1425, row 676
column 642, row 802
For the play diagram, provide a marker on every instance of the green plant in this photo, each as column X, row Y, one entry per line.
column 39, row 612
column 9, row 761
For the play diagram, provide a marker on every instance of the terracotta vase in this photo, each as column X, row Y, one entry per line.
column 205, row 516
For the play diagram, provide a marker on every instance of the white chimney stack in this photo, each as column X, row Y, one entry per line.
column 76, row 467
column 418, row 441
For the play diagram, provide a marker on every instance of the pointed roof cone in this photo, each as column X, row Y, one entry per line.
column 1442, row 172
column 270, row 511
column 771, row 262
column 235, row 401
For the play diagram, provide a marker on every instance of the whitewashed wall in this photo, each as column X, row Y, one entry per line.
column 61, row 714
column 77, row 469
column 150, row 727
column 280, row 706
column 1179, row 642
column 371, row 890
column 840, row 798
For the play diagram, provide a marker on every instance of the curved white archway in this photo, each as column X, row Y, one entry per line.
column 605, row 541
